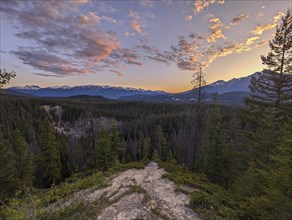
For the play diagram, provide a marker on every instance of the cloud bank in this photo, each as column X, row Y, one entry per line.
column 67, row 41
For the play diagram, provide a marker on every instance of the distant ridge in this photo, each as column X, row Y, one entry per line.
column 98, row 97
column 15, row 93
column 111, row 92
column 229, row 92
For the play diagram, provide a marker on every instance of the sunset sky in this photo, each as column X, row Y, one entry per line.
column 144, row 44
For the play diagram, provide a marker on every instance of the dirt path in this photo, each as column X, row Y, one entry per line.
column 141, row 194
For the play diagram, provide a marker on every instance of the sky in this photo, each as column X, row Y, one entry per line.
column 149, row 44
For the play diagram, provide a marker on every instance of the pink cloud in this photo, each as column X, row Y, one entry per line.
column 137, row 27
column 66, row 41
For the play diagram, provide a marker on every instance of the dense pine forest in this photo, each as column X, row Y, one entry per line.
column 243, row 154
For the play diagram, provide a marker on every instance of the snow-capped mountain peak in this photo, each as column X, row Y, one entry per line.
column 27, row 87
column 113, row 92
column 217, row 83
column 60, row 87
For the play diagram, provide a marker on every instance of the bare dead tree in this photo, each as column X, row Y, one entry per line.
column 198, row 83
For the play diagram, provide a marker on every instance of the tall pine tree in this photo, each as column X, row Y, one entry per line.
column 273, row 86
column 198, row 82
column 49, row 163
column 266, row 184
column 103, row 151
column 276, row 200
column 8, row 171
column 116, row 144
column 23, row 160
column 64, row 156
column 162, row 144
column 271, row 93
column 213, row 146
column 146, row 149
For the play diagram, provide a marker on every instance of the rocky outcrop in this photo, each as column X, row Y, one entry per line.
column 139, row 194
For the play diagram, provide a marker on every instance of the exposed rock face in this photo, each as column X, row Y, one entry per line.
column 83, row 126
column 54, row 111
column 58, row 112
column 141, row 194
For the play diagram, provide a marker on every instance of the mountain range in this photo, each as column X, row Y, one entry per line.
column 229, row 92
column 91, row 90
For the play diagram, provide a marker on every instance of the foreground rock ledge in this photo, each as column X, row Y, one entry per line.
column 141, row 194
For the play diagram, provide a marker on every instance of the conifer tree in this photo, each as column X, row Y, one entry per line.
column 64, row 157
column 280, row 58
column 273, row 86
column 266, row 190
column 162, row 143
column 116, row 143
column 103, row 151
column 155, row 157
column 270, row 93
column 49, row 158
column 198, row 82
column 146, row 149
column 276, row 200
column 231, row 151
column 266, row 182
column 141, row 139
column 8, row 172
column 23, row 161
column 213, row 144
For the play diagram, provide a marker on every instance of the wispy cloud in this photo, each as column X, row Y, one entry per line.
column 48, row 62
column 65, row 41
column 116, row 72
column 251, row 40
column 215, row 35
column 262, row 43
column 69, row 38
column 139, row 21
column 238, row 19
column 128, row 34
column 215, row 29
column 260, row 29
column 191, row 52
column 187, row 54
column 90, row 19
column 136, row 21
column 126, row 56
column 137, row 27
column 213, row 52
column 152, row 53
column 111, row 20
column 200, row 5
column 46, row 75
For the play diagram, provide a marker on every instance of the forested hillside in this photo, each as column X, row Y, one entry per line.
column 33, row 154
